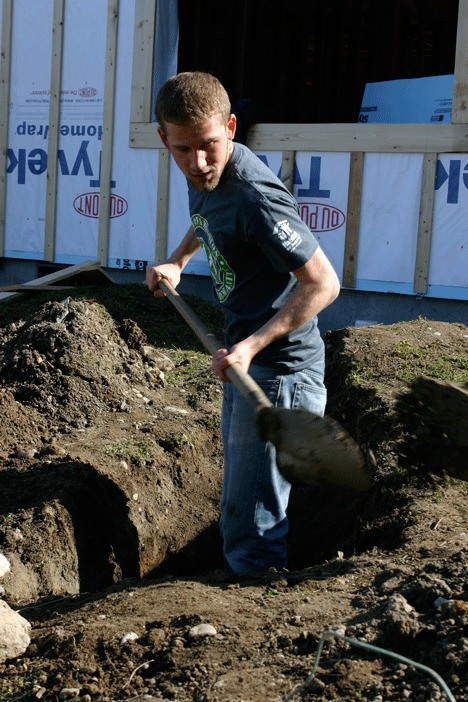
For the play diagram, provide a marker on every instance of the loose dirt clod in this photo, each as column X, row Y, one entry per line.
column 110, row 475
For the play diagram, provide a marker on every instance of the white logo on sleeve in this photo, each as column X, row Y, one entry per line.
column 288, row 237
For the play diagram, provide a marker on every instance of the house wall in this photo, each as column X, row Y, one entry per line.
column 429, row 143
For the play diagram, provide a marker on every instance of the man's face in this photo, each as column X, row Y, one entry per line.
column 201, row 150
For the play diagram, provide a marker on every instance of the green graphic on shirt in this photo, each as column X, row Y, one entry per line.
column 223, row 276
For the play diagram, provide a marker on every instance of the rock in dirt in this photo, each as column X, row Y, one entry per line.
column 400, row 619
column 4, row 565
column 200, row 630
column 14, row 633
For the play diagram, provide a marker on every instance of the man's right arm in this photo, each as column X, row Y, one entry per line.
column 174, row 265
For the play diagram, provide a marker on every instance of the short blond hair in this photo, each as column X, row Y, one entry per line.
column 191, row 97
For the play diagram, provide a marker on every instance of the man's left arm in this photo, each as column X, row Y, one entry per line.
column 318, row 287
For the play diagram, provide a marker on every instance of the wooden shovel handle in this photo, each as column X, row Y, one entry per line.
column 246, row 385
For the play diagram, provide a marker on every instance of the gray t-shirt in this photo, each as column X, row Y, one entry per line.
column 253, row 236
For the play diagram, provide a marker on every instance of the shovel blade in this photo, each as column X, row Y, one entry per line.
column 313, row 450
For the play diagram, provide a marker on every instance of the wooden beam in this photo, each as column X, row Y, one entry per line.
column 287, row 169
column 5, row 69
column 460, row 88
column 108, row 130
column 27, row 287
column 370, row 138
column 426, row 210
column 142, row 67
column 57, row 276
column 54, row 131
column 356, row 169
column 162, row 213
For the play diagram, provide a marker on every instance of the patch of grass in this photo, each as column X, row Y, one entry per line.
column 431, row 361
column 21, row 687
column 448, row 367
column 210, row 422
column 189, row 365
column 175, row 442
column 131, row 451
column 359, row 376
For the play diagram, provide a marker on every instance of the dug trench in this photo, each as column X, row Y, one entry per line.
column 111, row 461
column 118, row 471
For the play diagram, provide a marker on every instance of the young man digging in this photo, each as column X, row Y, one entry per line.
column 271, row 279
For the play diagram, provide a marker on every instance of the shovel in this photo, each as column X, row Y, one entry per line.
column 310, row 450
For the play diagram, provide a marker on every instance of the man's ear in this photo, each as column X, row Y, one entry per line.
column 163, row 138
column 231, row 126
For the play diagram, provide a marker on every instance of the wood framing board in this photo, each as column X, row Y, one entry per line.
column 460, row 89
column 142, row 68
column 5, row 68
column 26, row 287
column 287, row 169
column 370, row 138
column 145, row 136
column 162, row 214
column 89, row 268
column 108, row 129
column 54, row 130
column 426, row 210
column 353, row 216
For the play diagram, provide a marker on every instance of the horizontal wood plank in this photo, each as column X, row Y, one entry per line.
column 369, row 138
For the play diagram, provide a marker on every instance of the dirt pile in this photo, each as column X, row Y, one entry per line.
column 110, row 474
column 101, row 454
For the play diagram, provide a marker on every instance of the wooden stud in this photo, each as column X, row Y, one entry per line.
column 426, row 210
column 287, row 169
column 142, row 78
column 5, row 68
column 54, row 131
column 142, row 67
column 162, row 214
column 353, row 217
column 108, row 130
column 460, row 88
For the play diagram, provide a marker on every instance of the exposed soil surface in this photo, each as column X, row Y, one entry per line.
column 110, row 476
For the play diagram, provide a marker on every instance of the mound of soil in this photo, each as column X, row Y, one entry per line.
column 110, row 476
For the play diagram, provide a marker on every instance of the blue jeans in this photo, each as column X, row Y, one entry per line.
column 255, row 496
